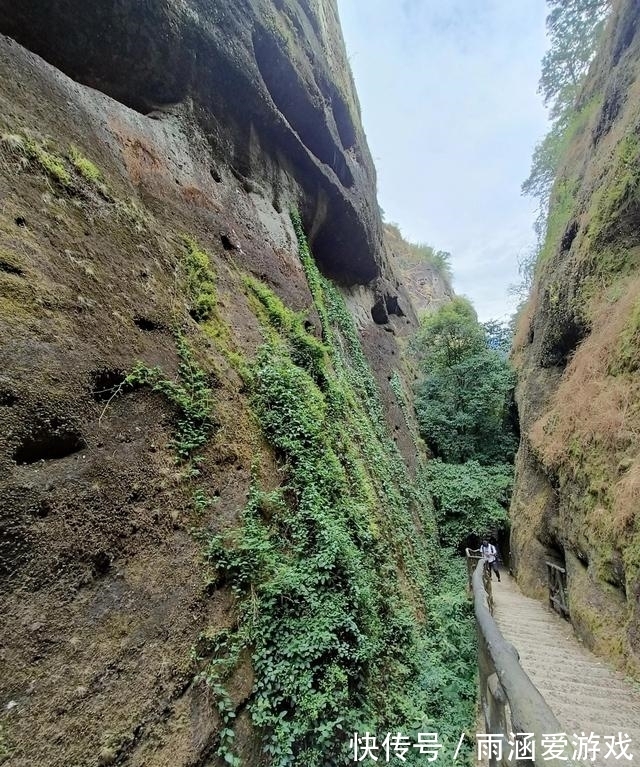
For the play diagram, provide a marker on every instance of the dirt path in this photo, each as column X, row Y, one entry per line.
column 585, row 694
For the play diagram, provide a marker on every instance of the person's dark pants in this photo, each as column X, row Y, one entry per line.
column 493, row 566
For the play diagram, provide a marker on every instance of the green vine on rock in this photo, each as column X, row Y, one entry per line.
column 336, row 572
column 199, row 280
column 190, row 394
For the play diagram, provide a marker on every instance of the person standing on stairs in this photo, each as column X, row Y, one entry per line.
column 489, row 552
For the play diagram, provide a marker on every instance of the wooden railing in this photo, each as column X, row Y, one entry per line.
column 510, row 701
column 473, row 557
column 557, row 582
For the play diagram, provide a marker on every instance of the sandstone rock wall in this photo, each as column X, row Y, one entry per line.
column 578, row 353
column 268, row 84
column 202, row 120
column 428, row 286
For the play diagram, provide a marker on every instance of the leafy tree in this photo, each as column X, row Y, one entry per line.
column 463, row 405
column 526, row 272
column 544, row 164
column 440, row 260
column 498, row 336
column 449, row 335
column 574, row 28
column 463, row 401
column 464, row 409
column 414, row 253
column 469, row 498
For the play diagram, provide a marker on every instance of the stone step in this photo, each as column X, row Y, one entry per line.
column 585, row 694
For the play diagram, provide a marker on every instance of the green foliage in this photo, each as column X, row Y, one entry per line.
column 544, row 164
column 469, row 498
column 307, row 351
column 200, row 281
column 440, row 260
column 551, row 150
column 85, row 167
column 498, row 336
column 464, row 409
column 463, row 406
column 421, row 253
column 52, row 165
column 450, row 650
column 201, row 501
column 618, row 201
column 560, row 208
column 396, row 387
column 314, row 278
column 63, row 170
column 215, row 651
column 337, row 646
column 574, row 28
column 190, row 395
column 449, row 335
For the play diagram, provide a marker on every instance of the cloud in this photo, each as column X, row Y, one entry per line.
column 448, row 94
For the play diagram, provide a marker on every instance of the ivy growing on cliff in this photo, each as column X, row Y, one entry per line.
column 189, row 394
column 337, row 572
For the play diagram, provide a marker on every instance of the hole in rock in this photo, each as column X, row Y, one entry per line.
column 7, row 398
column 21, row 221
column 569, row 236
column 43, row 509
column 379, row 312
column 562, row 341
column 227, row 244
column 144, row 323
column 101, row 563
column 48, row 442
column 5, row 266
column 393, row 307
column 104, row 383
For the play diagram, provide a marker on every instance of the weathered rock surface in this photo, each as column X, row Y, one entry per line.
column 267, row 83
column 428, row 287
column 578, row 352
column 225, row 115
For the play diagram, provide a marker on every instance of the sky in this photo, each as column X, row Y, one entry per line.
column 448, row 90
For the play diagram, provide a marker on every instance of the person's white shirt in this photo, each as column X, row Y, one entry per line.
column 488, row 552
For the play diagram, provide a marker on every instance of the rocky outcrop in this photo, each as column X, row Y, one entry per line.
column 267, row 83
column 578, row 354
column 427, row 283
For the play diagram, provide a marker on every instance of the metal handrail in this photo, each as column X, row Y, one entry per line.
column 511, row 703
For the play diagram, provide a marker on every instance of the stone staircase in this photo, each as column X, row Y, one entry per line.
column 586, row 695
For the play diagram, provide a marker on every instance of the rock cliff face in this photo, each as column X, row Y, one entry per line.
column 128, row 133
column 428, row 286
column 267, row 84
column 578, row 353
